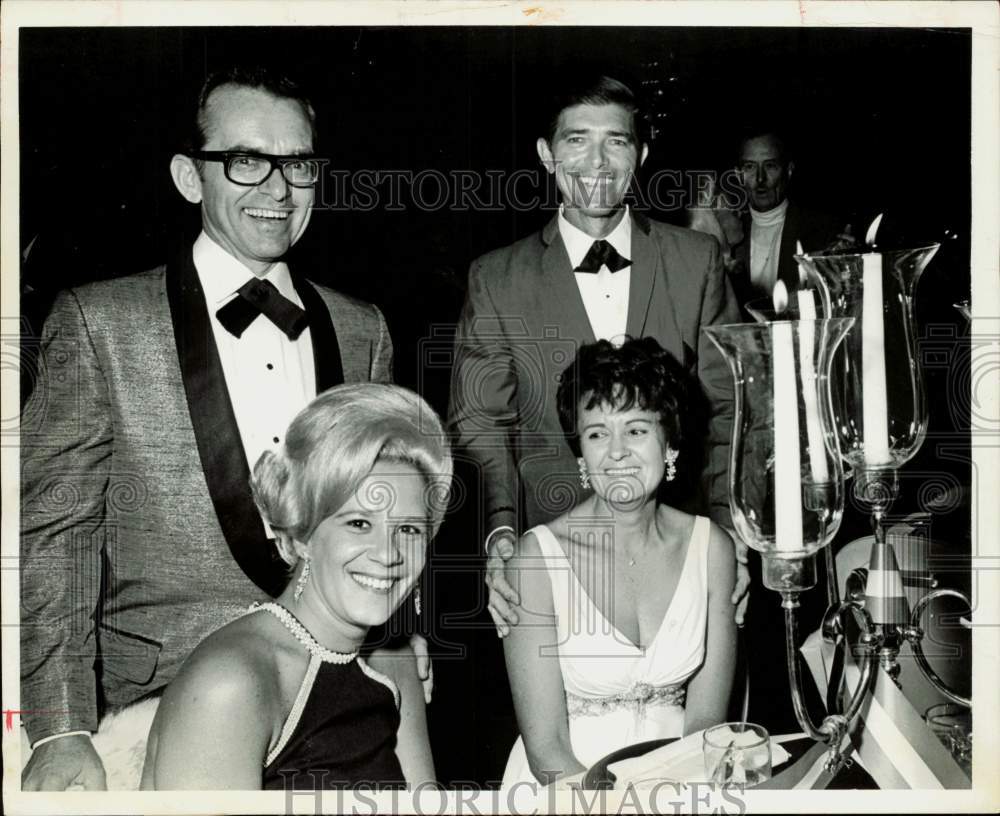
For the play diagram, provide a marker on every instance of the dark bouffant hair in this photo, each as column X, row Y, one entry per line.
column 639, row 373
column 594, row 90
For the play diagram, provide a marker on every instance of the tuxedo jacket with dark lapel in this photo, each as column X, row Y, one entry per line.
column 139, row 534
column 815, row 230
column 521, row 325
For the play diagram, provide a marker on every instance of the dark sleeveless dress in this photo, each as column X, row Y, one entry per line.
column 341, row 731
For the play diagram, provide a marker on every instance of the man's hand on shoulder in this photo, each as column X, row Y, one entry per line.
column 741, row 592
column 500, row 549
column 425, row 669
column 64, row 763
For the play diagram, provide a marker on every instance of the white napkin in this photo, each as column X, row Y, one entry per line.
column 680, row 761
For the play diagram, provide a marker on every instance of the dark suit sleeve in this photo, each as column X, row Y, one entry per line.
column 482, row 413
column 718, row 306
column 381, row 370
column 66, row 445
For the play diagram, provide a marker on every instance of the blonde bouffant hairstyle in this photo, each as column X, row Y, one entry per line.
column 333, row 444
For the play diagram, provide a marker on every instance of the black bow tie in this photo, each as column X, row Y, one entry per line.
column 601, row 253
column 260, row 297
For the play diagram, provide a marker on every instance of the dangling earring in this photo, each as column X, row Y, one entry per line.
column 669, row 457
column 417, row 606
column 584, row 476
column 300, row 585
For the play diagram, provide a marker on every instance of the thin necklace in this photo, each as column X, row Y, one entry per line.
column 302, row 635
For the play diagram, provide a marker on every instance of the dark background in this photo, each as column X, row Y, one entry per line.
column 880, row 119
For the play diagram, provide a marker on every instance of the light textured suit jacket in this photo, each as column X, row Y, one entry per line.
column 139, row 535
column 521, row 325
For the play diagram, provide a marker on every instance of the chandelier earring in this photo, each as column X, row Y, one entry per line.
column 584, row 476
column 669, row 458
column 300, row 585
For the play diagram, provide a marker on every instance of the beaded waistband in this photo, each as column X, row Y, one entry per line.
column 637, row 697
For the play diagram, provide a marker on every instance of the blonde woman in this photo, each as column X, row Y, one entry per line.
column 281, row 698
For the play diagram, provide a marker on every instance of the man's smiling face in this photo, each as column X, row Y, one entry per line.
column 593, row 154
column 256, row 225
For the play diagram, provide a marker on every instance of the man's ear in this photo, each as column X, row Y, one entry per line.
column 186, row 178
column 545, row 154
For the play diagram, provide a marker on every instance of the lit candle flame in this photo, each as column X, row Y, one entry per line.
column 802, row 270
column 780, row 297
column 870, row 235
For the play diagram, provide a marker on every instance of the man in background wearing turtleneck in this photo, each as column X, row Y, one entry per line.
column 772, row 223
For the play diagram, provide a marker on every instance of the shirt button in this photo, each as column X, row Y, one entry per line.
column 270, row 367
column 276, row 440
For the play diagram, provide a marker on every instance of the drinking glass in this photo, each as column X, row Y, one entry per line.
column 737, row 753
column 952, row 725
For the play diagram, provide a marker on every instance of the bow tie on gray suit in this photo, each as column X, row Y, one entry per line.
column 260, row 297
column 601, row 253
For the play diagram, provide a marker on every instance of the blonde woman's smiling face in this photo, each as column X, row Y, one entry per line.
column 367, row 556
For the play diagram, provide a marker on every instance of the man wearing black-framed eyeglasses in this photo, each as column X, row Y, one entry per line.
column 182, row 377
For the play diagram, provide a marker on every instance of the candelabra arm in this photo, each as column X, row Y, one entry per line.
column 835, row 726
column 832, row 585
column 869, row 641
column 915, row 635
column 790, row 603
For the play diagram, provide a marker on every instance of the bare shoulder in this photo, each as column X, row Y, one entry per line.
column 677, row 521
column 720, row 543
column 397, row 663
column 235, row 665
column 721, row 558
column 572, row 530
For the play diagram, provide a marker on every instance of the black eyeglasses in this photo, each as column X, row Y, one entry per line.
column 251, row 169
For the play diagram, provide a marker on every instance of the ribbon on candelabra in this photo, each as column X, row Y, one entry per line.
column 893, row 742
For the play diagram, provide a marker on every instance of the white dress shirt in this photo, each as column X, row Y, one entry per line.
column 605, row 295
column 270, row 378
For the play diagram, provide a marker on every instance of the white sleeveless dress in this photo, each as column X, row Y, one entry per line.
column 617, row 693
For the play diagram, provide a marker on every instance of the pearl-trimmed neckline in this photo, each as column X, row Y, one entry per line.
column 302, row 635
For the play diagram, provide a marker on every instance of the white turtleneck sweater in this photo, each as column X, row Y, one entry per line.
column 765, row 241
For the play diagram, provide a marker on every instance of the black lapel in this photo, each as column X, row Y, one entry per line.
column 791, row 232
column 223, row 460
column 326, row 350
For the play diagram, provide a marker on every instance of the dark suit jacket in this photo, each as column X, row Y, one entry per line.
column 815, row 230
column 139, row 535
column 520, row 327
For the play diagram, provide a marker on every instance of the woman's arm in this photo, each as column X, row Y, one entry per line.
column 213, row 725
column 709, row 689
column 533, row 668
column 413, row 745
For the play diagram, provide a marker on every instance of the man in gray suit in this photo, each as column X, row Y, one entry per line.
column 158, row 393
column 596, row 271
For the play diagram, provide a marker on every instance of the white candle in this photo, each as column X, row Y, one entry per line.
column 876, row 408
column 787, row 468
column 807, row 328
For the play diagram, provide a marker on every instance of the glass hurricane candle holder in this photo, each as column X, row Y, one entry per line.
column 879, row 402
column 786, row 478
column 786, row 473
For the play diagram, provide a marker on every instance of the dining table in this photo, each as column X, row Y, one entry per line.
column 802, row 766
